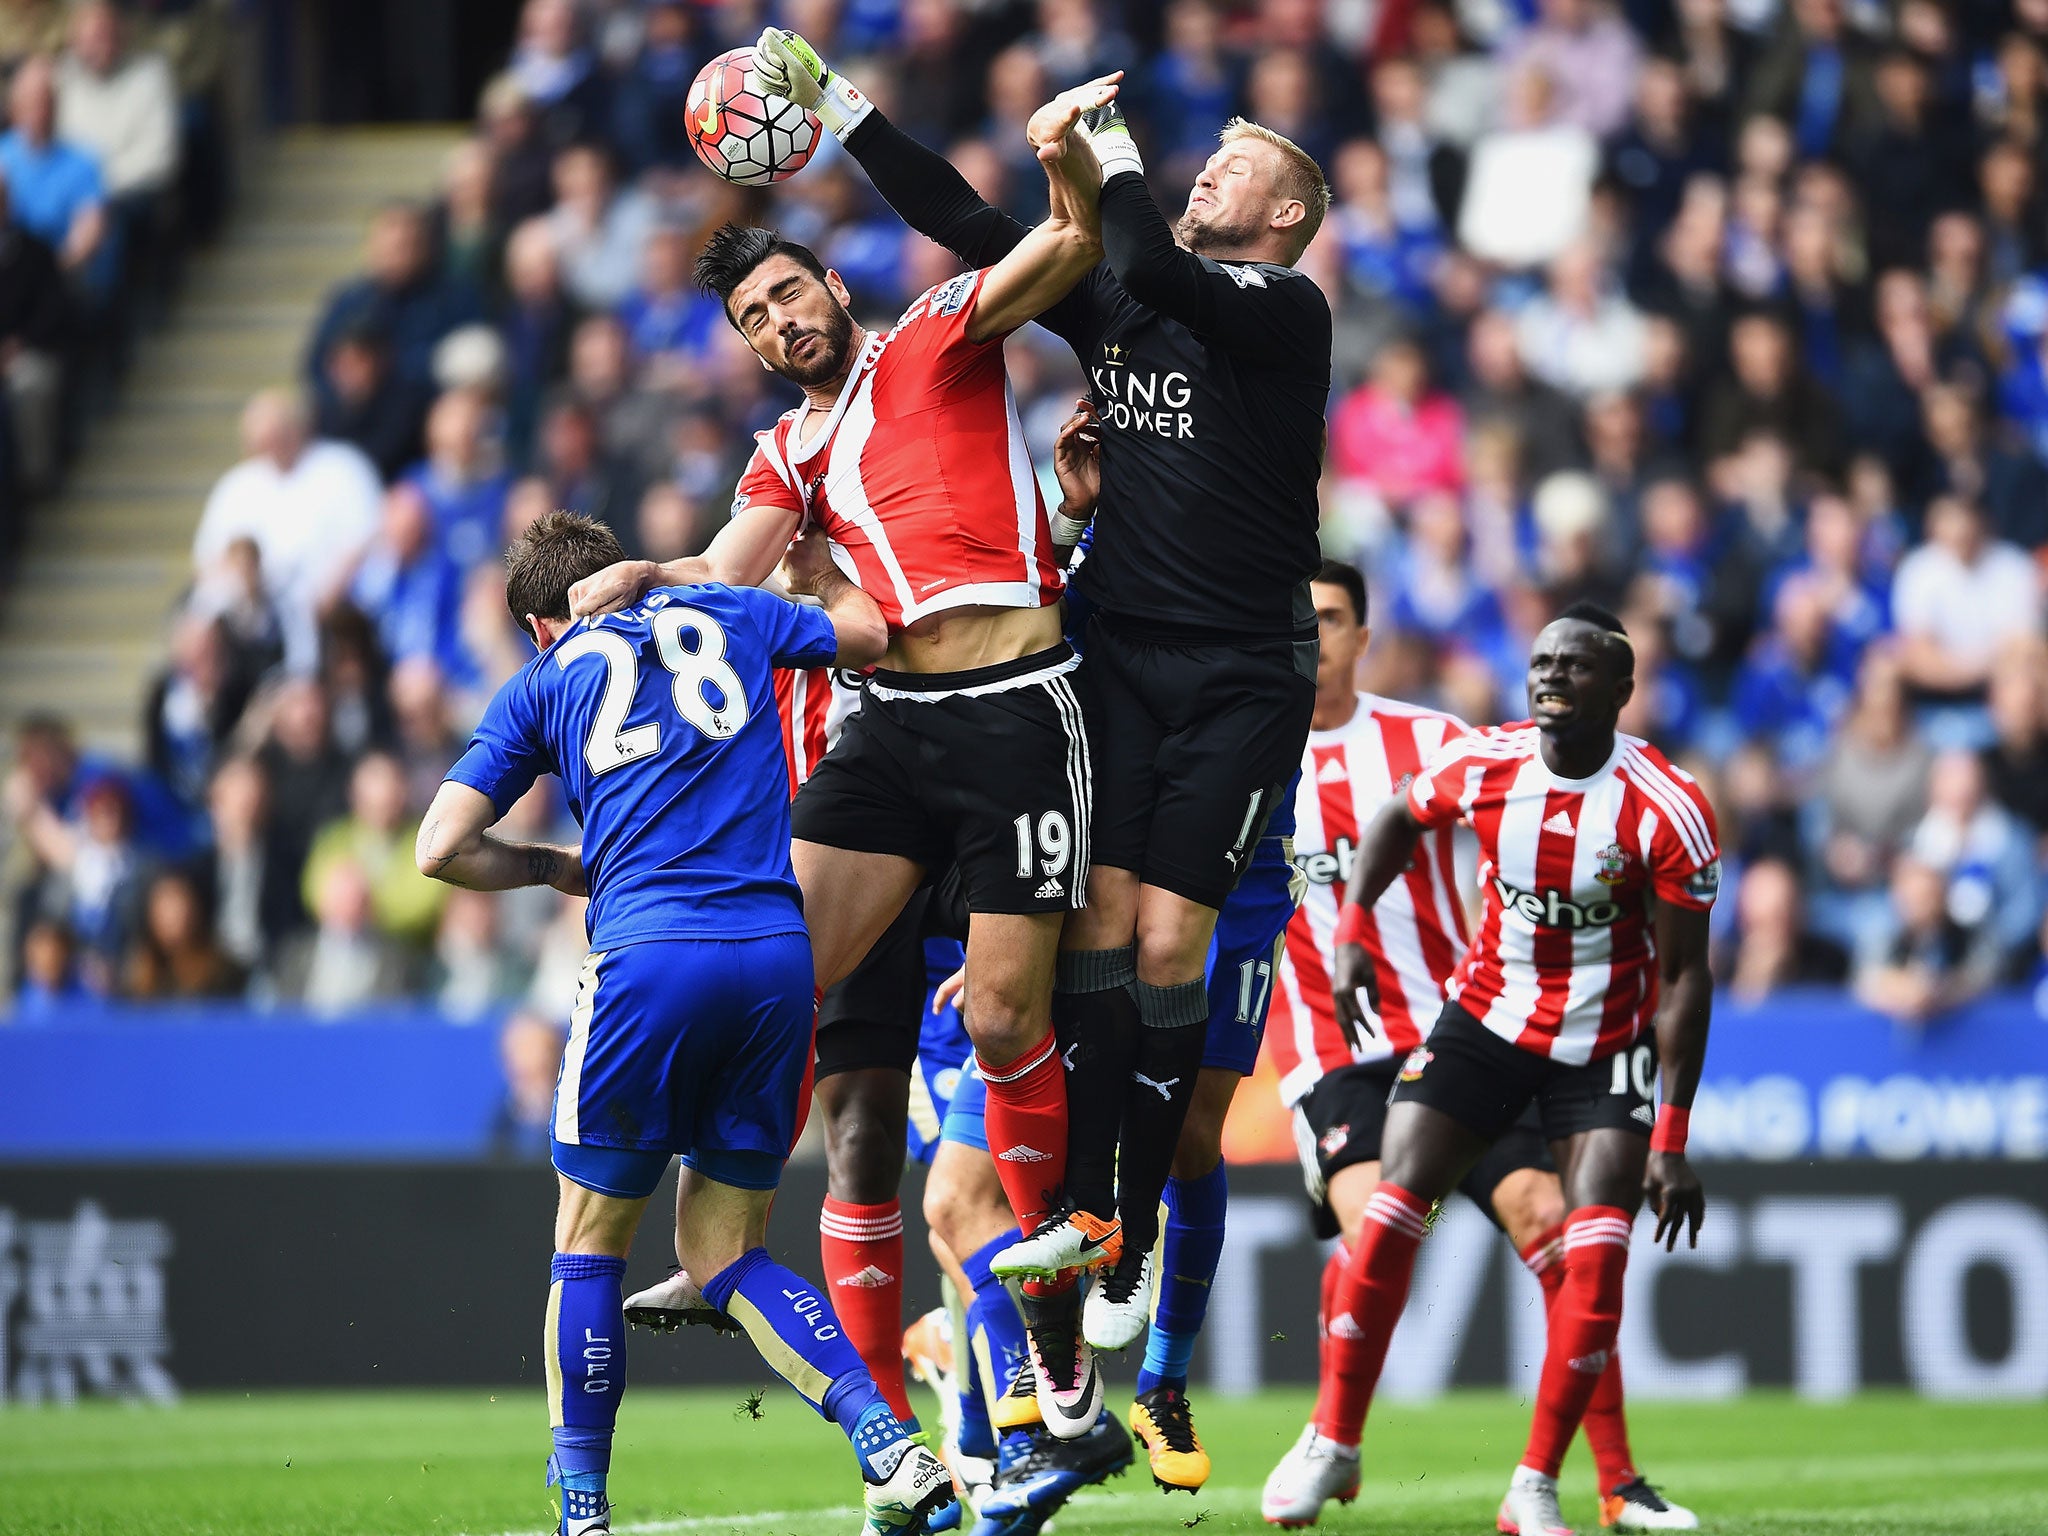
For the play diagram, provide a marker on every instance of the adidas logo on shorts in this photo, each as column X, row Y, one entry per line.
column 1024, row 1154
column 872, row 1278
column 1050, row 889
column 1644, row 1113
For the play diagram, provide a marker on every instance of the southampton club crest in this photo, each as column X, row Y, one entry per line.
column 1613, row 865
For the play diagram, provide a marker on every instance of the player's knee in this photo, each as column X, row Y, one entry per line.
column 863, row 1155
column 1170, row 953
column 944, row 1211
column 1529, row 1203
column 1005, row 1021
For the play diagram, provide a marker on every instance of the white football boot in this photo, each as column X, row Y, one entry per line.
column 1530, row 1508
column 1119, row 1303
column 1636, row 1506
column 676, row 1303
column 1314, row 1472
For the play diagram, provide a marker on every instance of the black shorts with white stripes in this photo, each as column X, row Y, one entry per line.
column 988, row 769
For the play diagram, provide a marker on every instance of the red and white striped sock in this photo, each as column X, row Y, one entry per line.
column 1585, row 1320
column 862, row 1246
column 1367, row 1304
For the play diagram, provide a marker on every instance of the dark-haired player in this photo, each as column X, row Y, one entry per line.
column 691, row 1033
column 969, row 746
column 1363, row 752
column 1208, row 355
column 1599, row 864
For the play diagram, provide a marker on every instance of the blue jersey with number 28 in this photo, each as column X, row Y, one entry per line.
column 661, row 721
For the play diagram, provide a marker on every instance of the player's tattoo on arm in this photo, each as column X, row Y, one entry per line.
column 542, row 865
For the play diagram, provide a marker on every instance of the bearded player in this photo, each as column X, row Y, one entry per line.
column 1599, row 865
column 1363, row 752
column 969, row 747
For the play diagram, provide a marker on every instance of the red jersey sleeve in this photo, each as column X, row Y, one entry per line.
column 766, row 481
column 1685, row 847
column 1436, row 795
column 932, row 336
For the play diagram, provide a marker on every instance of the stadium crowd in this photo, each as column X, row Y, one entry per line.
column 1730, row 314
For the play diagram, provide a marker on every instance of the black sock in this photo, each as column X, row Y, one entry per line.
column 1096, row 1020
column 1173, row 1033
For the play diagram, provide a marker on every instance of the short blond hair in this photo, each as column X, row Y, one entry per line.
column 1300, row 177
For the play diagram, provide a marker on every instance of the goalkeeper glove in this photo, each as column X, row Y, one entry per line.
column 790, row 68
column 1110, row 133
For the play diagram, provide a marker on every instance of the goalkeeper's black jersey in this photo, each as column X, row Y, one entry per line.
column 1211, row 379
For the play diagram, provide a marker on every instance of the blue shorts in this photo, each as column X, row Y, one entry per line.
column 694, row 1048
column 942, row 1046
column 964, row 1122
column 1242, row 956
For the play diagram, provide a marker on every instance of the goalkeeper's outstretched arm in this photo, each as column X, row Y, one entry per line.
column 923, row 187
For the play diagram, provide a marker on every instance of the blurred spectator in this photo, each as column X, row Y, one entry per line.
column 309, row 506
column 307, row 778
column 1789, row 693
column 559, row 72
column 97, row 868
column 400, row 297
column 570, row 457
column 428, row 742
column 1659, row 151
column 1434, row 589
column 647, row 107
column 176, row 955
column 1189, row 88
column 1396, row 436
column 1544, row 421
column 255, row 888
column 365, row 402
column 1582, row 42
column 1929, row 964
column 634, row 424
column 1873, row 787
column 471, row 973
column 49, row 974
column 669, row 525
column 599, row 229
column 2006, row 178
column 1581, row 334
column 1771, row 946
column 409, row 588
column 120, row 106
column 537, row 321
column 376, row 839
column 353, row 671
column 1919, row 163
column 1987, row 856
column 1959, row 599
column 1885, row 374
column 668, row 321
column 55, row 187
column 2010, row 486
column 522, row 165
column 1766, row 390
column 462, row 479
column 344, row 963
column 1818, row 76
column 35, row 332
column 1529, row 187
column 193, row 706
column 1386, row 259
column 530, row 1049
column 2016, row 762
column 463, row 225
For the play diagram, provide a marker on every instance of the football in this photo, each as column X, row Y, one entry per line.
column 742, row 132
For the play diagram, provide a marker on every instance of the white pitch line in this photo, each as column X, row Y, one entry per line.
column 719, row 1522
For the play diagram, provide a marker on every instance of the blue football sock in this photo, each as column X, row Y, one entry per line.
column 586, row 1368
column 798, row 1335
column 996, row 1346
column 1187, row 1268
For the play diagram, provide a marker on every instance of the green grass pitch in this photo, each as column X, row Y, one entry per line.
column 409, row 1463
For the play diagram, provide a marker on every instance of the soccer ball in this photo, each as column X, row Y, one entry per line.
column 739, row 130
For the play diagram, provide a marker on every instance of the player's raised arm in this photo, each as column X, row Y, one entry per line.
column 923, row 187
column 743, row 554
column 455, row 845
column 1387, row 848
column 1685, row 1004
column 1058, row 253
column 1077, row 464
column 808, row 571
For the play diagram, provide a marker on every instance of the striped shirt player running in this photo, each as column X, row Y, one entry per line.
column 691, row 1032
column 1598, row 864
column 969, row 748
column 1363, row 752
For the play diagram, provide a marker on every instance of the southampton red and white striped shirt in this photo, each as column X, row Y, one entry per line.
column 1415, row 933
column 1564, row 963
column 803, row 697
column 919, row 473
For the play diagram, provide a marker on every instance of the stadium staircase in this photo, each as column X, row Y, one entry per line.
column 82, row 628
